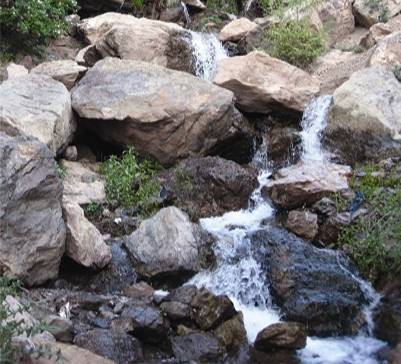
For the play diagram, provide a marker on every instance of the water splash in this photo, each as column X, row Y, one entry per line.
column 186, row 13
column 238, row 274
column 313, row 123
column 207, row 51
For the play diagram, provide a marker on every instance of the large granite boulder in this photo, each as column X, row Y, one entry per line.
column 364, row 120
column 168, row 114
column 139, row 39
column 311, row 286
column 209, row 186
column 39, row 107
column 168, row 245
column 263, row 84
column 32, row 231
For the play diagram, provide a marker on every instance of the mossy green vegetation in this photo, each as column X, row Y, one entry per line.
column 374, row 240
column 294, row 41
column 131, row 182
column 380, row 7
column 25, row 25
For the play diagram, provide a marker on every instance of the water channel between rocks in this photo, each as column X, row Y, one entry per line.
column 239, row 275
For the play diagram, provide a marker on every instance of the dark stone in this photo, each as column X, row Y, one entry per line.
column 387, row 316
column 201, row 346
column 176, row 311
column 232, row 333
column 209, row 186
column 283, row 145
column 208, row 310
column 149, row 325
column 312, row 286
column 119, row 347
column 283, row 335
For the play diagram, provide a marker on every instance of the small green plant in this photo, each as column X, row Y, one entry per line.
column 380, row 7
column 374, row 240
column 27, row 24
column 92, row 209
column 137, row 4
column 61, row 171
column 131, row 182
column 294, row 41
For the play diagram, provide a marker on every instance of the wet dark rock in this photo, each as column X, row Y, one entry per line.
column 115, row 278
column 232, row 333
column 210, row 310
column 183, row 294
column 303, row 223
column 387, row 316
column 311, row 285
column 176, row 311
column 140, row 292
column 201, row 346
column 209, row 186
column 325, row 207
column 283, row 335
column 119, row 347
column 331, row 227
column 274, row 357
column 283, row 145
column 149, row 325
column 61, row 328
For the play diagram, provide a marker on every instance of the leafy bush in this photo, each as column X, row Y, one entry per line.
column 131, row 183
column 374, row 241
column 294, row 41
column 28, row 23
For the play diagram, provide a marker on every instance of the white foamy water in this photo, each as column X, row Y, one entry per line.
column 207, row 52
column 314, row 121
column 239, row 275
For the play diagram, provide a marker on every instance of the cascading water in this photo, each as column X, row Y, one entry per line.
column 186, row 13
column 207, row 52
column 239, row 275
column 314, row 121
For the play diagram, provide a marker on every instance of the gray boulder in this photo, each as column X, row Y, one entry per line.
column 364, row 121
column 32, row 231
column 39, row 107
column 168, row 114
column 168, row 245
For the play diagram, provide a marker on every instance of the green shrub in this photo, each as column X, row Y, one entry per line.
column 25, row 24
column 294, row 41
column 131, row 183
column 137, row 4
column 374, row 240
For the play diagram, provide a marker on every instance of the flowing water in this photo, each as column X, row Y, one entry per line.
column 239, row 275
column 207, row 52
column 186, row 13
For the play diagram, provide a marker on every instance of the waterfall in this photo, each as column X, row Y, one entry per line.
column 313, row 123
column 239, row 275
column 207, row 51
column 186, row 13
